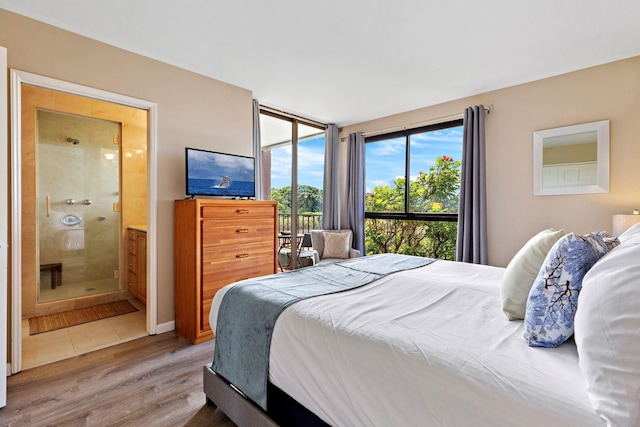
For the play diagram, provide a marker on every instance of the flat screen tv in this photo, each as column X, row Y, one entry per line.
column 218, row 174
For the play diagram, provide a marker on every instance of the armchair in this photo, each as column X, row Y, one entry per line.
column 332, row 245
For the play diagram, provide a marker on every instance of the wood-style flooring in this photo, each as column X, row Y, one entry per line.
column 151, row 381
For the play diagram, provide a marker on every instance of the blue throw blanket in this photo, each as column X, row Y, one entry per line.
column 249, row 310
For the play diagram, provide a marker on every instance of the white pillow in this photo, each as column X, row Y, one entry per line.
column 607, row 334
column 336, row 244
column 631, row 234
column 522, row 272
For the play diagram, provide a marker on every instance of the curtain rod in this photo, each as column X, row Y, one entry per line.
column 442, row 119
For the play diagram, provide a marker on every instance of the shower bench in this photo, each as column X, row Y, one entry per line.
column 56, row 273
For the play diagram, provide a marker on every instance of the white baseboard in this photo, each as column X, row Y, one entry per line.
column 8, row 369
column 165, row 327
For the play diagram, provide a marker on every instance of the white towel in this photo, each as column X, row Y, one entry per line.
column 72, row 240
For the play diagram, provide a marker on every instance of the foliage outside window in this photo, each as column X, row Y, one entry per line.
column 421, row 218
column 309, row 199
column 309, row 207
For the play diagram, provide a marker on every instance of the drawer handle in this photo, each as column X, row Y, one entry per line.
column 242, row 230
column 242, row 211
column 242, row 256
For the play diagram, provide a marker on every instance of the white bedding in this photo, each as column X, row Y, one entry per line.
column 424, row 347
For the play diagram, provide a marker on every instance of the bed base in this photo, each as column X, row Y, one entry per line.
column 283, row 410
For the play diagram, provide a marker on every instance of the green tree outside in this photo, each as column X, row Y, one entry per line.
column 309, row 199
column 309, row 207
column 434, row 192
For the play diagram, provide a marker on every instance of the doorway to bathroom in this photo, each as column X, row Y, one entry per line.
column 83, row 169
column 84, row 182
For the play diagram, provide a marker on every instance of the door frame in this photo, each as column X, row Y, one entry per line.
column 4, row 230
column 18, row 78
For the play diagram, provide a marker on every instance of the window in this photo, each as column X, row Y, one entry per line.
column 419, row 218
column 293, row 158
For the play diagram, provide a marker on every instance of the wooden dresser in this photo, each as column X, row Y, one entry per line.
column 218, row 242
column 137, row 264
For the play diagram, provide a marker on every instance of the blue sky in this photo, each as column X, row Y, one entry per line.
column 210, row 165
column 310, row 164
column 384, row 160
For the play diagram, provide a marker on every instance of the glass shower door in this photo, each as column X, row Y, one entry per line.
column 78, row 172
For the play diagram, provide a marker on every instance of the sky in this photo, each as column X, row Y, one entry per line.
column 310, row 164
column 384, row 159
column 211, row 165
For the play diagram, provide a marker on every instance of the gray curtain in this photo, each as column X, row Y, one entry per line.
column 471, row 245
column 330, row 192
column 355, row 189
column 257, row 148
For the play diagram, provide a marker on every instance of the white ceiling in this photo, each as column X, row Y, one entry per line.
column 347, row 61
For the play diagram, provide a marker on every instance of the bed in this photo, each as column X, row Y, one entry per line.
column 431, row 346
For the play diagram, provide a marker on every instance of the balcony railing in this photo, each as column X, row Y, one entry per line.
column 306, row 222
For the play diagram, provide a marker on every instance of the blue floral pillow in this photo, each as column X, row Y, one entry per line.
column 553, row 299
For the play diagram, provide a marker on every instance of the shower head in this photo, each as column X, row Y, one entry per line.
column 73, row 141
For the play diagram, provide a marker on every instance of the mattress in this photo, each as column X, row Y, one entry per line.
column 423, row 347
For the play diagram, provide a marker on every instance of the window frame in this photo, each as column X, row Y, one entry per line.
column 295, row 142
column 407, row 214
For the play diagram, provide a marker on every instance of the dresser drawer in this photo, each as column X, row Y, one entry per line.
column 133, row 263
column 132, row 282
column 216, row 279
column 237, row 257
column 132, row 246
column 224, row 232
column 244, row 210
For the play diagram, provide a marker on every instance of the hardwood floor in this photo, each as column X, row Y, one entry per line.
column 151, row 381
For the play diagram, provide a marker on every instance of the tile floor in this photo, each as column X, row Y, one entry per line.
column 64, row 343
column 74, row 289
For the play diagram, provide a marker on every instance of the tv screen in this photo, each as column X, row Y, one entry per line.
column 218, row 174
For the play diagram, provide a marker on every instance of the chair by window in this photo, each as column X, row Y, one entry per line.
column 332, row 245
column 306, row 257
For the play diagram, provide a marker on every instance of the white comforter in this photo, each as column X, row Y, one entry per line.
column 425, row 347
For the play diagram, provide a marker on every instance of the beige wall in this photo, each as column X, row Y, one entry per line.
column 193, row 110
column 610, row 91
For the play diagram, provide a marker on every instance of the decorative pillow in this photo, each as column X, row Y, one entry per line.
column 610, row 241
column 553, row 299
column 607, row 334
column 522, row 272
column 336, row 244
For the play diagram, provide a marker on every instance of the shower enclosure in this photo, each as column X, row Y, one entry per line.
column 77, row 175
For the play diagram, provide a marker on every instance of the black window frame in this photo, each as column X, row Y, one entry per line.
column 407, row 215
